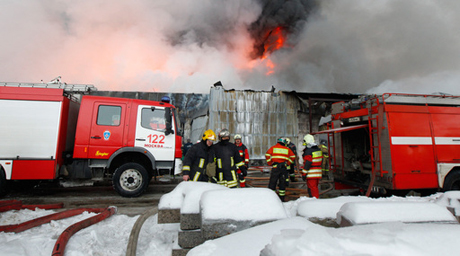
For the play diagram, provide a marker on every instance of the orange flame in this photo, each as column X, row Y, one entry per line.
column 275, row 41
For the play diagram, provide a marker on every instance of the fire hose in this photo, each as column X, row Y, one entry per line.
column 59, row 246
column 46, row 219
column 133, row 237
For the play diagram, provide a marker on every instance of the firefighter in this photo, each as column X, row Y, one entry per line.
column 228, row 161
column 279, row 157
column 243, row 150
column 325, row 162
column 312, row 159
column 291, row 168
column 197, row 158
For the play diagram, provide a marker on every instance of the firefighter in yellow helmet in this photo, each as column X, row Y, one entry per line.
column 312, row 159
column 197, row 158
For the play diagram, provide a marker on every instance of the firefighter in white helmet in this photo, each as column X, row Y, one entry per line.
column 312, row 158
column 197, row 158
column 244, row 154
column 228, row 161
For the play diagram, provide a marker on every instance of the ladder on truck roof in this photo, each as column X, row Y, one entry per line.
column 68, row 88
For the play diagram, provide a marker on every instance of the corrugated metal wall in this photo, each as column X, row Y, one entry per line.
column 260, row 117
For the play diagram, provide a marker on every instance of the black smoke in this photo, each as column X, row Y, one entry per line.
column 290, row 15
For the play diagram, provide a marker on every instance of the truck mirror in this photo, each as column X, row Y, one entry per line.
column 168, row 119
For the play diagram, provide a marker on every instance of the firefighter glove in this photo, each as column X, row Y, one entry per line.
column 304, row 176
column 244, row 170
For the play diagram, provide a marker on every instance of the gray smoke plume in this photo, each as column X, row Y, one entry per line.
column 351, row 46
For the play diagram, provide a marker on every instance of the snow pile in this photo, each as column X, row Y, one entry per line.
column 326, row 208
column 257, row 204
column 356, row 213
column 190, row 190
column 250, row 241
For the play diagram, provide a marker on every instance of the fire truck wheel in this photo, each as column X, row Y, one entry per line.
column 3, row 184
column 130, row 180
column 452, row 181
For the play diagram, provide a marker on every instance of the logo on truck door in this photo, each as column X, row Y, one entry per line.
column 106, row 135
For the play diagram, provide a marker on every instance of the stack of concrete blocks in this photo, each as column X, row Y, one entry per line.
column 208, row 211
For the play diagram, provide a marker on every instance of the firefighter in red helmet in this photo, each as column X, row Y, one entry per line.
column 312, row 159
column 244, row 154
column 228, row 161
column 197, row 158
column 279, row 157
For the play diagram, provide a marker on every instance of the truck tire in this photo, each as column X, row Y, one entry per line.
column 3, row 183
column 452, row 181
column 130, row 180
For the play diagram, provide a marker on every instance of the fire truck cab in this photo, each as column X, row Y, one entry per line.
column 396, row 142
column 51, row 133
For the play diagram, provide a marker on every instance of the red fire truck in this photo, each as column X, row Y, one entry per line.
column 55, row 133
column 396, row 142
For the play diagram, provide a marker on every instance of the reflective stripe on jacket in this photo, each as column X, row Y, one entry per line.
column 279, row 154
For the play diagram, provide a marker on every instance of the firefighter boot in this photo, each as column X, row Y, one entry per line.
column 282, row 198
column 292, row 177
column 242, row 183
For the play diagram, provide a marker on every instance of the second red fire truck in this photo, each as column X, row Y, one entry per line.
column 396, row 142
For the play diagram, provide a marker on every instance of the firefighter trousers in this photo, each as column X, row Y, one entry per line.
column 313, row 189
column 278, row 176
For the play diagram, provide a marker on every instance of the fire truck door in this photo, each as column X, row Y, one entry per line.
column 106, row 129
column 151, row 132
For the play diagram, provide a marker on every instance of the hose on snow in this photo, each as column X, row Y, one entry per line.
column 59, row 246
column 134, row 236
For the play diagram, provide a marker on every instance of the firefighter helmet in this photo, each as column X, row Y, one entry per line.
column 308, row 140
column 282, row 140
column 209, row 135
column 288, row 141
column 237, row 137
column 224, row 133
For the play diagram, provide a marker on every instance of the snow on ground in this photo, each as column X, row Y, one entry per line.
column 290, row 236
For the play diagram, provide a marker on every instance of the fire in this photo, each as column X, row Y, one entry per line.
column 275, row 40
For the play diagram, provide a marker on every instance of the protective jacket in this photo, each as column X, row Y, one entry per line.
column 228, row 161
column 312, row 158
column 244, row 154
column 279, row 154
column 195, row 161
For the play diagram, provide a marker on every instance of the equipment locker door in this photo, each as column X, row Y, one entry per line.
column 106, row 135
column 412, row 150
column 151, row 132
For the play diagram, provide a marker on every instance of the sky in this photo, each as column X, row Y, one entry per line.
column 356, row 46
column 294, row 233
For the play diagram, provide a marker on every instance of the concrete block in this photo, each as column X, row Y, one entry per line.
column 168, row 216
column 190, row 238
column 190, row 221
column 216, row 229
column 180, row 252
